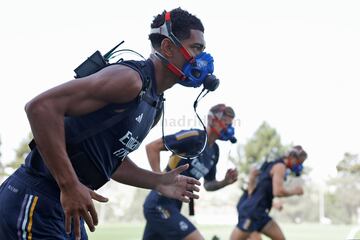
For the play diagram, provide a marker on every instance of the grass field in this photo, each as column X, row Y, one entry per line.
column 304, row 231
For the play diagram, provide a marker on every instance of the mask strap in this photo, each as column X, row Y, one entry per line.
column 218, row 121
column 289, row 163
column 165, row 30
column 215, row 131
column 171, row 67
column 183, row 50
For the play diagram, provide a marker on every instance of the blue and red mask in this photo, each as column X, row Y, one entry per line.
column 197, row 70
column 296, row 168
column 227, row 133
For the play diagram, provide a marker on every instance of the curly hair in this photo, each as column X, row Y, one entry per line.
column 181, row 24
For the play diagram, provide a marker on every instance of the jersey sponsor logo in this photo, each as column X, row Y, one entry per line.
column 129, row 141
column 121, row 153
column 183, row 226
column 130, row 144
column 198, row 169
column 139, row 118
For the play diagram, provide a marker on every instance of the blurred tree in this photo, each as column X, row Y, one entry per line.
column 349, row 165
column 265, row 144
column 343, row 201
column 21, row 152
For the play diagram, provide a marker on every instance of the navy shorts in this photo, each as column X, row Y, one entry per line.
column 255, row 223
column 30, row 209
column 165, row 222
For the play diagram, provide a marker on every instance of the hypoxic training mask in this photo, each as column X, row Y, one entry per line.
column 196, row 71
column 300, row 155
column 297, row 169
column 227, row 133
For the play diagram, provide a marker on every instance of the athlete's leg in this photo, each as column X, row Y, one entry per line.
column 167, row 221
column 238, row 234
column 30, row 209
column 254, row 236
column 150, row 234
column 28, row 214
column 273, row 231
column 195, row 235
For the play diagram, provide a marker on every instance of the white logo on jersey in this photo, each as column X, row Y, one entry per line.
column 198, row 169
column 139, row 118
column 183, row 226
column 130, row 143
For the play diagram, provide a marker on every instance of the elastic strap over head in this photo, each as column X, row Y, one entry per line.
column 166, row 30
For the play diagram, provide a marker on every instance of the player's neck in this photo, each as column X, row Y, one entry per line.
column 164, row 78
column 211, row 137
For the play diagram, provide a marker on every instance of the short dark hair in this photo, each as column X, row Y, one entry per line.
column 298, row 152
column 181, row 23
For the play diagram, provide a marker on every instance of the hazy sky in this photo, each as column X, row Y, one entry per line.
column 293, row 64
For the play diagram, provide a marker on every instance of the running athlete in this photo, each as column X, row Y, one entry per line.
column 85, row 128
column 251, row 184
column 254, row 208
column 163, row 217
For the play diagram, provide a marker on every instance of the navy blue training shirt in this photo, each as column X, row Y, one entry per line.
column 261, row 198
column 96, row 157
column 187, row 142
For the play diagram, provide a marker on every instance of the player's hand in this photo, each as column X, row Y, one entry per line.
column 231, row 176
column 77, row 202
column 174, row 185
column 298, row 190
column 278, row 205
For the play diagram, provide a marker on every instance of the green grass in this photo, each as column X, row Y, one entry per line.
column 357, row 235
column 305, row 231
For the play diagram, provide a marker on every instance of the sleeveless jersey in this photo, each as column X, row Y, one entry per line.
column 98, row 142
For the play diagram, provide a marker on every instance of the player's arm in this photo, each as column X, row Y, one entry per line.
column 170, row 184
column 178, row 142
column 277, row 204
column 77, row 97
column 117, row 84
column 213, row 185
column 279, row 190
column 153, row 153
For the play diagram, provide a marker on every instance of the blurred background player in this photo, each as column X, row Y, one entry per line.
column 251, row 183
column 163, row 215
column 265, row 184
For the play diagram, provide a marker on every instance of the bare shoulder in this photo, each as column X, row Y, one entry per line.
column 278, row 168
column 115, row 83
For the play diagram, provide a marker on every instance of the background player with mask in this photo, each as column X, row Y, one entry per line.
column 163, row 215
column 253, row 210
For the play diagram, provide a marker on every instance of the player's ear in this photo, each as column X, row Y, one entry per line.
column 167, row 47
